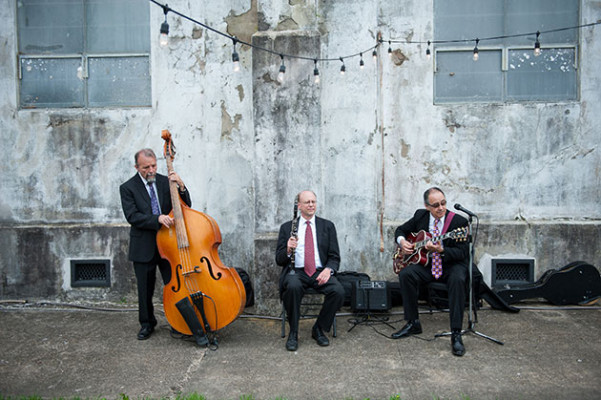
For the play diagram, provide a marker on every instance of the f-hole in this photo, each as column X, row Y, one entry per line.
column 179, row 283
column 219, row 274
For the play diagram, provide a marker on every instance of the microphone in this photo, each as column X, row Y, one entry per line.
column 465, row 210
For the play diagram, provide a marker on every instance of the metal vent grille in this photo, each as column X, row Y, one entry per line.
column 90, row 273
column 512, row 272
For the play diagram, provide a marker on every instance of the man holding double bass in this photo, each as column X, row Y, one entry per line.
column 146, row 203
column 448, row 262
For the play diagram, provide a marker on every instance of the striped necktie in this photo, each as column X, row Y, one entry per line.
column 436, row 259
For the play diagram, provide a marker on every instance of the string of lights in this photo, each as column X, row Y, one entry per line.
column 537, row 46
column 164, row 32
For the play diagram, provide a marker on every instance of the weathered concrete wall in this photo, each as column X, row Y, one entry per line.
column 37, row 261
column 369, row 143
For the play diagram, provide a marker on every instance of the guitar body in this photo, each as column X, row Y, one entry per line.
column 420, row 254
column 576, row 283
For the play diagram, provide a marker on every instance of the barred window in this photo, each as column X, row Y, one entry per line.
column 83, row 53
column 507, row 69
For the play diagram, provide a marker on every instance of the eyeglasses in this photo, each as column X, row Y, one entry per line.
column 442, row 203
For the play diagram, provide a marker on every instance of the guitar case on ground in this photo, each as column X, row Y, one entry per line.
column 578, row 283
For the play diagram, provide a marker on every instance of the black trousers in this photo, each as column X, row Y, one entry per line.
column 294, row 289
column 146, row 281
column 416, row 275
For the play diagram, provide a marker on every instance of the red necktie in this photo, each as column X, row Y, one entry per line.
column 436, row 259
column 309, row 251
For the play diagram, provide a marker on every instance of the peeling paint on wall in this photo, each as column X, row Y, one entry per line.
column 240, row 90
column 227, row 124
column 244, row 25
column 244, row 140
column 398, row 57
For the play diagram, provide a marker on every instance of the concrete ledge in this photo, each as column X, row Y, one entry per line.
column 37, row 257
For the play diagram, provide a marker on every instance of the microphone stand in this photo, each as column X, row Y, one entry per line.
column 470, row 320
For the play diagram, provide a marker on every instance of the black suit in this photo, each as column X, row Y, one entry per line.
column 454, row 267
column 143, row 250
column 293, row 286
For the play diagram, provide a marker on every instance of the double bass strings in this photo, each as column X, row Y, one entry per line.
column 190, row 283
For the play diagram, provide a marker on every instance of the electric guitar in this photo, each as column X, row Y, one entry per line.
column 420, row 255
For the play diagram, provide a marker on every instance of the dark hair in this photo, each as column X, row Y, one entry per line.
column 146, row 152
column 430, row 190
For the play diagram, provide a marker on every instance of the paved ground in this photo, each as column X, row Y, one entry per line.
column 68, row 352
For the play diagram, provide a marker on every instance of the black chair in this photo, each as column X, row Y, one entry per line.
column 438, row 293
column 438, row 297
column 311, row 299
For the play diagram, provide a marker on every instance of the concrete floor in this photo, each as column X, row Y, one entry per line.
column 548, row 353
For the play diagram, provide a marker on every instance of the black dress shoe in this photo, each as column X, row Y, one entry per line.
column 319, row 336
column 292, row 342
column 457, row 344
column 145, row 332
column 410, row 328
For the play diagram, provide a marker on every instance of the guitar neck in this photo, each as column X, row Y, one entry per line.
column 438, row 238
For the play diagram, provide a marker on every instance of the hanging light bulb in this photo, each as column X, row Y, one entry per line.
column 343, row 68
column 282, row 70
column 361, row 63
column 428, row 51
column 374, row 54
column 537, row 45
column 476, row 50
column 164, row 36
column 390, row 48
column 236, row 57
column 315, row 72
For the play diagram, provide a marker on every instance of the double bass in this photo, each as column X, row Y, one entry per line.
column 203, row 295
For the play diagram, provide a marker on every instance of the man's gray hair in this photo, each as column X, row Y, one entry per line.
column 146, row 153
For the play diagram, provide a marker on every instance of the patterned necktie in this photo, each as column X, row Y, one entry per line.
column 309, row 251
column 436, row 259
column 154, row 203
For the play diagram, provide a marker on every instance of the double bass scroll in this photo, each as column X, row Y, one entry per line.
column 202, row 291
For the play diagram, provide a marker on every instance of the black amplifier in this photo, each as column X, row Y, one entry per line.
column 370, row 296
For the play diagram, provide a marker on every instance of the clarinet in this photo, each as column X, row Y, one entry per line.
column 294, row 232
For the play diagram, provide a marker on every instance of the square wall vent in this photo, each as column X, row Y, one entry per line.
column 511, row 272
column 90, row 273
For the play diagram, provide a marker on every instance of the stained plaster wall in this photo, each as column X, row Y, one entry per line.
column 368, row 144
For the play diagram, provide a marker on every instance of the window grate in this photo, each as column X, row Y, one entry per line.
column 90, row 273
column 512, row 272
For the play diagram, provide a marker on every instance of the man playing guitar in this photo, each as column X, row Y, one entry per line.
column 447, row 261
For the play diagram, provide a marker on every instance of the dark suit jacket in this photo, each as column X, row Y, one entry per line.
column 454, row 251
column 327, row 244
column 135, row 201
